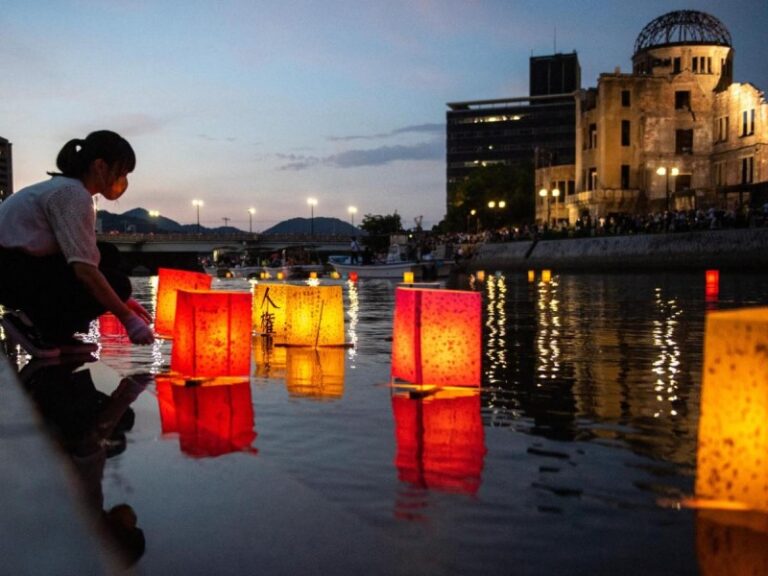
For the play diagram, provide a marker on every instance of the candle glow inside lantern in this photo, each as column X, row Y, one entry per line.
column 212, row 334
column 436, row 337
column 169, row 282
column 480, row 275
column 314, row 316
column 732, row 458
column 316, row 373
column 270, row 302
column 440, row 440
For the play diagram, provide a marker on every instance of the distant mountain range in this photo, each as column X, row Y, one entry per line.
column 138, row 220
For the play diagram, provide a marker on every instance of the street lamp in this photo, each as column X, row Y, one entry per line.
column 352, row 211
column 312, row 203
column 555, row 193
column 251, row 212
column 472, row 213
column 197, row 203
column 501, row 204
column 662, row 171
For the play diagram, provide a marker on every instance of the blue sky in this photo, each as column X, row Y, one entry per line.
column 265, row 103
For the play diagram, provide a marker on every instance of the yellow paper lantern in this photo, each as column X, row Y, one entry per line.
column 270, row 302
column 313, row 275
column 436, row 337
column 531, row 275
column 732, row 461
column 314, row 316
column 480, row 275
column 280, row 276
column 315, row 372
column 546, row 276
column 408, row 277
column 335, row 275
column 169, row 282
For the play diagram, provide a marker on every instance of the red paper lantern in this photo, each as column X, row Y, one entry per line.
column 212, row 334
column 712, row 284
column 440, row 440
column 169, row 281
column 437, row 337
column 214, row 419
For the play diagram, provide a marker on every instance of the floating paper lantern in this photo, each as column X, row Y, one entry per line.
column 440, row 440
column 212, row 334
column 335, row 275
column 531, row 276
column 281, row 276
column 408, row 277
column 270, row 302
column 546, row 276
column 316, row 373
column 732, row 462
column 313, row 275
column 436, row 337
column 353, row 276
column 711, row 284
column 480, row 275
column 213, row 420
column 314, row 316
column 168, row 283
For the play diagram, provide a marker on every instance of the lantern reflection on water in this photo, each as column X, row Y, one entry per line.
column 732, row 459
column 270, row 360
column 436, row 337
column 731, row 543
column 111, row 327
column 212, row 334
column 440, row 440
column 210, row 420
column 315, row 372
column 169, row 282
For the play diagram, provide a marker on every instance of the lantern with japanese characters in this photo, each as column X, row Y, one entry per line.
column 314, row 316
column 212, row 334
column 270, row 302
column 436, row 337
column 169, row 282
column 732, row 461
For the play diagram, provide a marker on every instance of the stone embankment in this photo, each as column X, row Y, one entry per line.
column 745, row 248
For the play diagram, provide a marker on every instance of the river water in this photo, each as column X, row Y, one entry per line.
column 571, row 460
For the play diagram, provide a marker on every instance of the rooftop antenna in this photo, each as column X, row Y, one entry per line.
column 555, row 40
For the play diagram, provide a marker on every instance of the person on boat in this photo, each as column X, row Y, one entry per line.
column 55, row 277
column 355, row 248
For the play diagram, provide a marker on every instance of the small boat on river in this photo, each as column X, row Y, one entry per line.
column 392, row 267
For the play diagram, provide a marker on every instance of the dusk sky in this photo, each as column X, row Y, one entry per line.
column 267, row 103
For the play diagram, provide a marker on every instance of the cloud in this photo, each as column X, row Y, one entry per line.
column 217, row 139
column 430, row 150
column 416, row 129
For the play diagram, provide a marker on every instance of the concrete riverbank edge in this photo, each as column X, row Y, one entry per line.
column 745, row 248
column 43, row 529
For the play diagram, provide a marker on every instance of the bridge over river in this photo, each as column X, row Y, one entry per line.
column 152, row 251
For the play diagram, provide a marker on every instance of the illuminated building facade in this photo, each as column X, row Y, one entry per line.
column 536, row 128
column 675, row 134
column 6, row 169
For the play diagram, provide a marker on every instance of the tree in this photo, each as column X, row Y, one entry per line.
column 379, row 229
column 512, row 184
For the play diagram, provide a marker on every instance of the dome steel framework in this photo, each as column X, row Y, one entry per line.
column 683, row 27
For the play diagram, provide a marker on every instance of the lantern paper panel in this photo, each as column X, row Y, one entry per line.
column 437, row 336
column 270, row 301
column 440, row 440
column 314, row 316
column 731, row 542
column 732, row 460
column 169, row 281
column 212, row 334
column 315, row 372
column 270, row 361
column 214, row 420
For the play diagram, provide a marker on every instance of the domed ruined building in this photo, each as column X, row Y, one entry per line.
column 675, row 134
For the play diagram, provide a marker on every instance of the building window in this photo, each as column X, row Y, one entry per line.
column 720, row 174
column 684, row 141
column 625, row 127
column 676, row 65
column 593, row 135
column 571, row 187
column 747, row 167
column 682, row 100
column 625, row 99
column 748, row 122
column 695, row 65
column 625, row 176
column 592, row 179
column 722, row 129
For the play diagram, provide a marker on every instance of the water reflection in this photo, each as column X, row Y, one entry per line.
column 353, row 309
column 316, row 373
column 210, row 420
column 91, row 427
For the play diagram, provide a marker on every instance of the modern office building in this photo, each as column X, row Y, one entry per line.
column 536, row 128
column 674, row 134
column 6, row 169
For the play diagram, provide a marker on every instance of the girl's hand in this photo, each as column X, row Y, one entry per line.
column 139, row 310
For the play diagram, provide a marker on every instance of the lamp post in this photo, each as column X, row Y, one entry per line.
column 312, row 203
column 663, row 171
column 546, row 193
column 352, row 211
column 197, row 203
column 472, row 213
column 251, row 212
column 501, row 204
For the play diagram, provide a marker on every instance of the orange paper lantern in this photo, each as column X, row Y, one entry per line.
column 214, row 420
column 436, row 337
column 440, row 440
column 169, row 281
column 315, row 372
column 212, row 334
column 408, row 277
column 314, row 316
column 712, row 284
column 531, row 275
column 546, row 276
